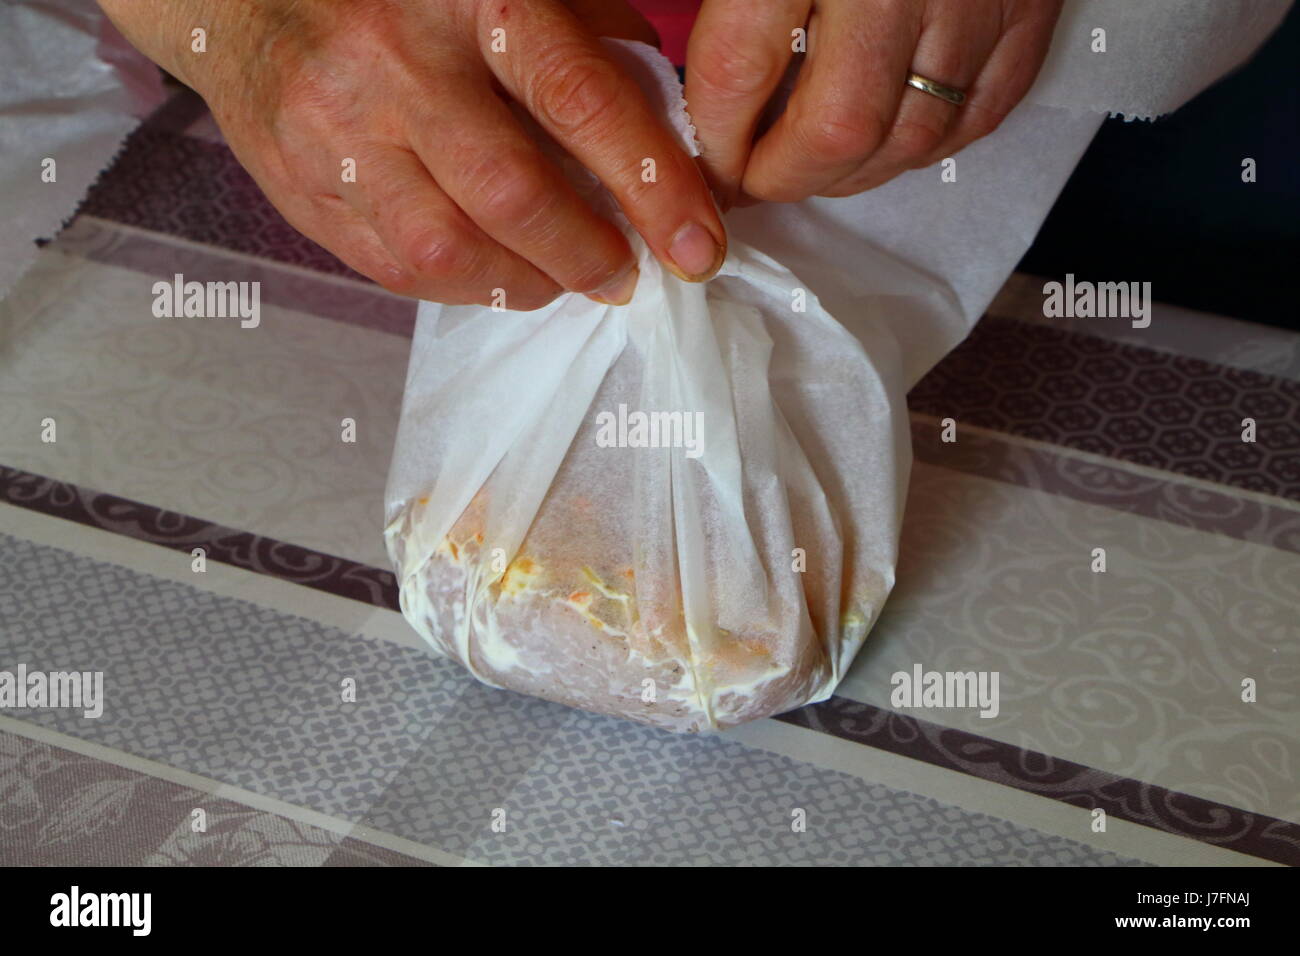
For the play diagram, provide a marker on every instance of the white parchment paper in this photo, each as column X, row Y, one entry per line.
column 71, row 89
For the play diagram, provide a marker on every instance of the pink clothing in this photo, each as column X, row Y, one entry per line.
column 673, row 19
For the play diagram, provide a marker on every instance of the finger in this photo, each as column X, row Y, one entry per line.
column 497, row 175
column 737, row 54
column 324, row 218
column 951, row 50
column 1005, row 78
column 448, row 257
column 591, row 107
column 843, row 104
column 333, row 224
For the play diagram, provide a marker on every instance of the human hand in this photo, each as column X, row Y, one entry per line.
column 451, row 199
column 852, row 123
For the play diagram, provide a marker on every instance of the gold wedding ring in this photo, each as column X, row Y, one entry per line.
column 946, row 93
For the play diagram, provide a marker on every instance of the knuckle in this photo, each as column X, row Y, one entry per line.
column 675, row 173
column 915, row 140
column 508, row 189
column 575, row 90
column 435, row 257
column 837, row 136
column 731, row 69
column 982, row 121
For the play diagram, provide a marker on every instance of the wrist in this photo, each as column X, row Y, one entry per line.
column 165, row 31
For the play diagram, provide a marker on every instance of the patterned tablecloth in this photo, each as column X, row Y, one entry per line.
column 1120, row 691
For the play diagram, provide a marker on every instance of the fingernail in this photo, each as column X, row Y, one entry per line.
column 617, row 291
column 695, row 252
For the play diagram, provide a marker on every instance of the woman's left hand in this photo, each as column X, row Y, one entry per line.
column 852, row 122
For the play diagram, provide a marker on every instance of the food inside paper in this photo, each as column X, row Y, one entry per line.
column 573, row 625
column 686, row 586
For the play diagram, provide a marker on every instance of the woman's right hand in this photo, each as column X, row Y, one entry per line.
column 452, row 199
